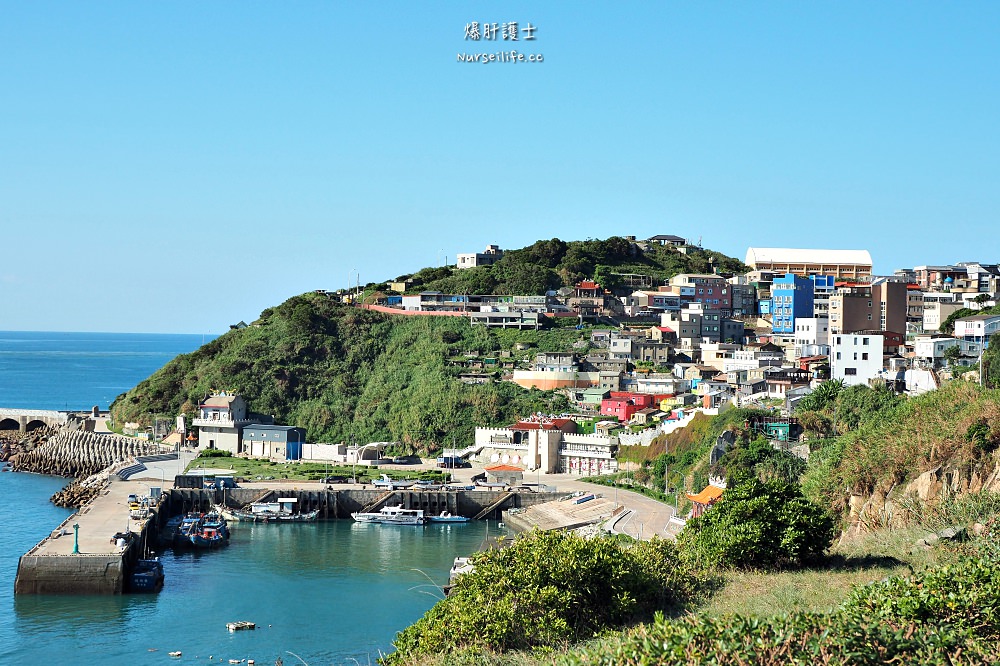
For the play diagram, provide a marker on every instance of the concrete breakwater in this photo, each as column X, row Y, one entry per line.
column 75, row 453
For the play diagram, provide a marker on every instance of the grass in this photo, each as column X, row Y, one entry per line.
column 855, row 561
column 304, row 471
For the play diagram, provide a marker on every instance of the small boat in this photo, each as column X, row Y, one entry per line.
column 202, row 531
column 392, row 484
column 446, row 517
column 176, row 653
column 273, row 512
column 240, row 625
column 427, row 485
column 392, row 515
column 147, row 576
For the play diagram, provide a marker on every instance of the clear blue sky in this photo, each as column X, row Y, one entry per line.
column 176, row 167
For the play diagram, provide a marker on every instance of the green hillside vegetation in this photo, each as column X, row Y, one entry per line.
column 551, row 264
column 891, row 439
column 344, row 372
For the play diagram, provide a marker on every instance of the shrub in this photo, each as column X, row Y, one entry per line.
column 215, row 453
column 548, row 588
column 946, row 616
column 756, row 524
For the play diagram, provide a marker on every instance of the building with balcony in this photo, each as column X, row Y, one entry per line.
column 791, row 297
column 220, row 421
column 842, row 264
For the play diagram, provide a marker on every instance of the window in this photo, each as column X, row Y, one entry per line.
column 855, row 356
column 838, row 356
column 864, row 341
column 864, row 356
column 850, row 371
column 869, row 317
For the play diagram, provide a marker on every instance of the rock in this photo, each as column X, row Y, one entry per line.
column 952, row 534
column 979, row 529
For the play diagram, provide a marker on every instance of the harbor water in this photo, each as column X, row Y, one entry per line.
column 326, row 593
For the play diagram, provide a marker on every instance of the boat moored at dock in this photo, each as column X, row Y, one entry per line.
column 446, row 517
column 392, row 515
column 147, row 576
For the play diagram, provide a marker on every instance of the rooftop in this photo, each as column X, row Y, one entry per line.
column 782, row 255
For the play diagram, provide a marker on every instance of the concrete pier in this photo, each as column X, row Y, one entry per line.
column 100, row 566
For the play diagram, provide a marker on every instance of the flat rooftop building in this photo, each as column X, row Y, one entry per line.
column 842, row 264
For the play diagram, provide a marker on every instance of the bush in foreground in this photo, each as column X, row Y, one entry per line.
column 761, row 525
column 550, row 588
column 946, row 616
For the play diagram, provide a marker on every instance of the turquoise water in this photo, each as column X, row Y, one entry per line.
column 76, row 371
column 332, row 593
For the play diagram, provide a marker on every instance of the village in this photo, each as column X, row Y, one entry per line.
column 649, row 357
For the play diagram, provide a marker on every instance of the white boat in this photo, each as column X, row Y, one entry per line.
column 392, row 484
column 392, row 515
column 446, row 517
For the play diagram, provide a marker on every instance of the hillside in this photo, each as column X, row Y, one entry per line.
column 551, row 264
column 346, row 373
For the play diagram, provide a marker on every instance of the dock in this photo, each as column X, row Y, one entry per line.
column 100, row 564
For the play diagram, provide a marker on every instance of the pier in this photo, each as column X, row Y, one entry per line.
column 88, row 560
column 91, row 562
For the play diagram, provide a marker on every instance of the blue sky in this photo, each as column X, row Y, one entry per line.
column 176, row 167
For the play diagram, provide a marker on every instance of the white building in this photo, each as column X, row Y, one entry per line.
column 810, row 333
column 932, row 348
column 220, row 421
column 548, row 445
column 977, row 328
column 620, row 347
column 488, row 257
column 937, row 310
column 855, row 358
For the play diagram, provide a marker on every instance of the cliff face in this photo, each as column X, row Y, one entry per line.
column 906, row 460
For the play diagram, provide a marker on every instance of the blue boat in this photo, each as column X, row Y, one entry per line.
column 202, row 531
column 147, row 576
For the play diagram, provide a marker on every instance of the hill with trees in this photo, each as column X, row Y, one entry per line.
column 346, row 373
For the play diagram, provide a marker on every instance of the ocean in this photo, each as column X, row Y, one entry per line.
column 326, row 593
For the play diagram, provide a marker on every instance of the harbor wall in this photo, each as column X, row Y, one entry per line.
column 81, row 573
column 340, row 504
column 70, row 574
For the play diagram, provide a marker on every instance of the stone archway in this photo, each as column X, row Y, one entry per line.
column 34, row 425
column 9, row 424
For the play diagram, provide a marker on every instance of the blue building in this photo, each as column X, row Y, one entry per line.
column 791, row 296
column 275, row 442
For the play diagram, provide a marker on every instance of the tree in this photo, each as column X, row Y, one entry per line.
column 991, row 362
column 822, row 396
column 758, row 525
column 953, row 354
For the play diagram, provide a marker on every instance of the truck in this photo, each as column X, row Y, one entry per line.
column 451, row 462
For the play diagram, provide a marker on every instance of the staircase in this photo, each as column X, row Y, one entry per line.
column 378, row 502
column 495, row 505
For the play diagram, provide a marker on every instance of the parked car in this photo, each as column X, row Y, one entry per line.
column 333, row 479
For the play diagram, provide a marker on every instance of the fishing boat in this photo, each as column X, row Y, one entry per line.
column 147, row 576
column 392, row 515
column 202, row 531
column 446, row 517
column 270, row 512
